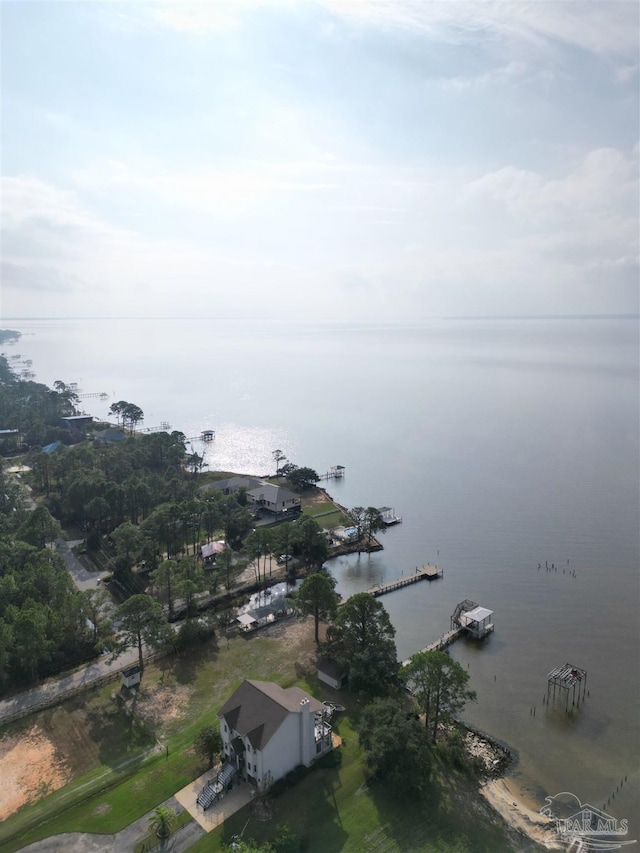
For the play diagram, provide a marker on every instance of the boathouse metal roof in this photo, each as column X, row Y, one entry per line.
column 478, row 614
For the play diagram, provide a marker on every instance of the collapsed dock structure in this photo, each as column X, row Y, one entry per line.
column 567, row 678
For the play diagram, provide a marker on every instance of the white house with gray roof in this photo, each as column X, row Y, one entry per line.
column 269, row 730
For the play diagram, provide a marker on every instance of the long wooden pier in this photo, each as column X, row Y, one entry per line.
column 425, row 573
column 444, row 641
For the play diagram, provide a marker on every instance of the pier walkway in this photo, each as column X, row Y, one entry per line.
column 444, row 641
column 425, row 573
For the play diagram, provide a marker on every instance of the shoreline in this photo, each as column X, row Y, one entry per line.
column 509, row 800
column 519, row 811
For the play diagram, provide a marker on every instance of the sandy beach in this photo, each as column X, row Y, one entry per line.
column 520, row 811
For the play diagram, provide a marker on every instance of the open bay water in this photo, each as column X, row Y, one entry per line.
column 502, row 443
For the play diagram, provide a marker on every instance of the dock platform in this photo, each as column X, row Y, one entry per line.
column 425, row 573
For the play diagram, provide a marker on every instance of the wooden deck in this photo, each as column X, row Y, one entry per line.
column 425, row 573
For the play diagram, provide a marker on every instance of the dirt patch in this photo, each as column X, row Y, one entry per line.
column 103, row 808
column 296, row 634
column 29, row 768
column 163, row 703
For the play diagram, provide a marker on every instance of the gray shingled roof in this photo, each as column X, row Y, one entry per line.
column 232, row 483
column 271, row 493
column 257, row 709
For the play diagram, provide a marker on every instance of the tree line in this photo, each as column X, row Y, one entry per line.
column 360, row 638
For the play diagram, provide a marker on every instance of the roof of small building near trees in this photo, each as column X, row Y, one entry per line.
column 331, row 667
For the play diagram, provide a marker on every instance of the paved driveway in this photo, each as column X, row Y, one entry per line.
column 120, row 842
column 81, row 577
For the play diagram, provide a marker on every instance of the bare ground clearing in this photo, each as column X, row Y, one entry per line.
column 30, row 768
column 64, row 742
column 163, row 702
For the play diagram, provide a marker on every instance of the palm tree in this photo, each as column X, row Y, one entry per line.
column 162, row 821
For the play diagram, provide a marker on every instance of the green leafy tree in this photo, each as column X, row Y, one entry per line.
column 439, row 684
column 302, row 477
column 132, row 415
column 97, row 510
column 361, row 640
column 372, row 521
column 278, row 457
column 142, row 622
column 190, row 582
column 236, row 519
column 117, row 409
column 310, row 542
column 396, row 748
column 357, row 514
column 225, row 561
column 316, row 597
column 97, row 609
column 165, row 579
column 33, row 643
column 40, row 528
column 128, row 543
column 208, row 743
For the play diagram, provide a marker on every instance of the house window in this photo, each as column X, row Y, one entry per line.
column 254, row 768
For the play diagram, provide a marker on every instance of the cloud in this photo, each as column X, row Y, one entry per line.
column 52, row 243
column 37, row 277
column 596, row 27
column 512, row 72
column 599, row 27
column 604, row 182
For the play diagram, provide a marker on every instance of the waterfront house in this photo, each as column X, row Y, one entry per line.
column 268, row 730
column 274, row 500
column 231, row 485
column 77, row 421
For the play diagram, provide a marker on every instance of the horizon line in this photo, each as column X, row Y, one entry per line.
column 623, row 316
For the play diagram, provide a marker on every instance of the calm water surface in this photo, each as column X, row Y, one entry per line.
column 503, row 444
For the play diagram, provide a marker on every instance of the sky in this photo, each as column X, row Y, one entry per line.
column 347, row 160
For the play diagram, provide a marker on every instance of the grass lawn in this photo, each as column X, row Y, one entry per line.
column 334, row 811
column 107, row 746
column 119, row 775
column 323, row 510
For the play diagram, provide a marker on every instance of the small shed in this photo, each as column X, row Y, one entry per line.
column 330, row 672
column 131, row 676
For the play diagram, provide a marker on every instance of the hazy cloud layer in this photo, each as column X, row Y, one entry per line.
column 346, row 159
